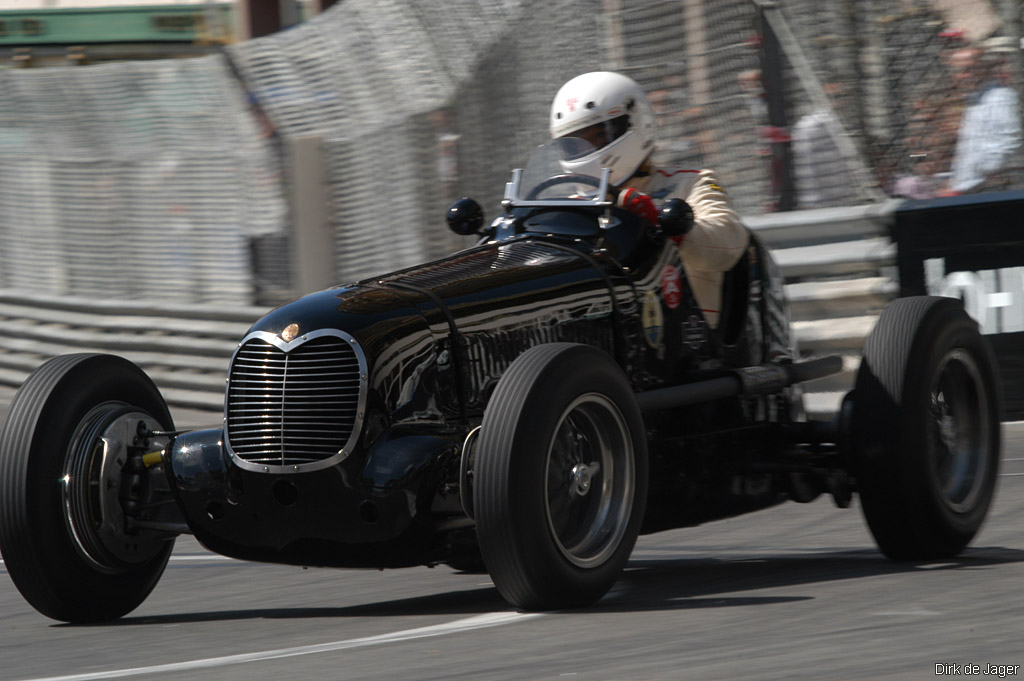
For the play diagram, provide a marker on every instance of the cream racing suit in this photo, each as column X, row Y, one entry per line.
column 717, row 239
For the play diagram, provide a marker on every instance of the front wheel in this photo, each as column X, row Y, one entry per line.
column 926, row 429
column 560, row 478
column 70, row 452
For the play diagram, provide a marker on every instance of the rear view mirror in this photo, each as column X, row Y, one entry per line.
column 465, row 217
column 675, row 218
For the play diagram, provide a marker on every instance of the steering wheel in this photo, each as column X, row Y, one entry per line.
column 567, row 178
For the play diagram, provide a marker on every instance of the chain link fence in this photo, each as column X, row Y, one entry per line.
column 132, row 180
column 167, row 180
column 927, row 94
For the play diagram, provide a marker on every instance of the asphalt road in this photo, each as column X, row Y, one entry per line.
column 795, row 592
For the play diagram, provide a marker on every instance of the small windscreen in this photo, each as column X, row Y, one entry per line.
column 548, row 175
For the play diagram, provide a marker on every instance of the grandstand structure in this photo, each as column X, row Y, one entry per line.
column 78, row 32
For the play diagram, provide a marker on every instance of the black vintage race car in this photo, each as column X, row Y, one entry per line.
column 527, row 406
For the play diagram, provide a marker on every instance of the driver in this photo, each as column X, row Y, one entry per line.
column 611, row 112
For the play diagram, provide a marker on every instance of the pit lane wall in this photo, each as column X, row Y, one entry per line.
column 972, row 248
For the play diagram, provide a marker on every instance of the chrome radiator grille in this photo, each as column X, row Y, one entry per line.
column 294, row 406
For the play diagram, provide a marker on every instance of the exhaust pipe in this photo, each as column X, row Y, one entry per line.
column 762, row 379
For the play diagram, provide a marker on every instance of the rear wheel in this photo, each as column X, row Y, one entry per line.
column 926, row 429
column 560, row 477
column 69, row 462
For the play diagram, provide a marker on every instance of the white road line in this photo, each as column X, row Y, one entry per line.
column 187, row 558
column 492, row 619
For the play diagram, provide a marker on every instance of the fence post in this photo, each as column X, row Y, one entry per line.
column 312, row 237
column 1012, row 13
column 771, row 76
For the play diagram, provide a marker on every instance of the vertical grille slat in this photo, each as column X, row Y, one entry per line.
column 294, row 408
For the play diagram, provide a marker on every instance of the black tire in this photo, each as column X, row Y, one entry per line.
column 926, row 429
column 549, row 539
column 65, row 562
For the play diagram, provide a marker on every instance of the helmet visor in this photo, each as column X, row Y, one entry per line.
column 596, row 136
column 572, row 148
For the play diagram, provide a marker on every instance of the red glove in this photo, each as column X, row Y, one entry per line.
column 639, row 204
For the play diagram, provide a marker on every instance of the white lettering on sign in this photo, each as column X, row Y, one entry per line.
column 994, row 298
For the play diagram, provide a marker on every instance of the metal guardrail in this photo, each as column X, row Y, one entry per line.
column 839, row 265
column 824, row 225
column 834, row 260
column 184, row 348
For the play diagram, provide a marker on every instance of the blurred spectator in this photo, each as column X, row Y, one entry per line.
column 674, row 145
column 752, row 90
column 990, row 130
column 931, row 138
column 821, row 173
column 963, row 65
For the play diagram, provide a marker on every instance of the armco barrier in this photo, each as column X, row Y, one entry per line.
column 837, row 263
column 184, row 348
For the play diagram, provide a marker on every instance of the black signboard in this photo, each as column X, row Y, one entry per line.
column 972, row 248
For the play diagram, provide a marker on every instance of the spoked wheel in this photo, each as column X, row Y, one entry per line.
column 926, row 429
column 560, row 477
column 589, row 481
column 70, row 453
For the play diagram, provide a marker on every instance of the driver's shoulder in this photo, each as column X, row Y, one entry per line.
column 671, row 182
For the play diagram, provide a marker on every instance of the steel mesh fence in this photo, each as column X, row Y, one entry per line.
column 133, row 180
column 166, row 179
column 906, row 81
column 418, row 103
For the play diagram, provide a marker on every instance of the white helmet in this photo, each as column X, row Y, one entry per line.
column 611, row 112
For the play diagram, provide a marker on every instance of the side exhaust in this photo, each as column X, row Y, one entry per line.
column 762, row 379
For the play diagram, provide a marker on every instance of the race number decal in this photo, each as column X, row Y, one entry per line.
column 671, row 287
column 652, row 319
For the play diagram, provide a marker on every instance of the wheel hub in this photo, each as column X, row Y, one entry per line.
column 581, row 478
column 96, row 476
column 948, row 432
column 589, row 481
column 961, row 434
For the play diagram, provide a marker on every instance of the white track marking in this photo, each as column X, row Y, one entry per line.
column 493, row 619
column 938, row 566
column 189, row 558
